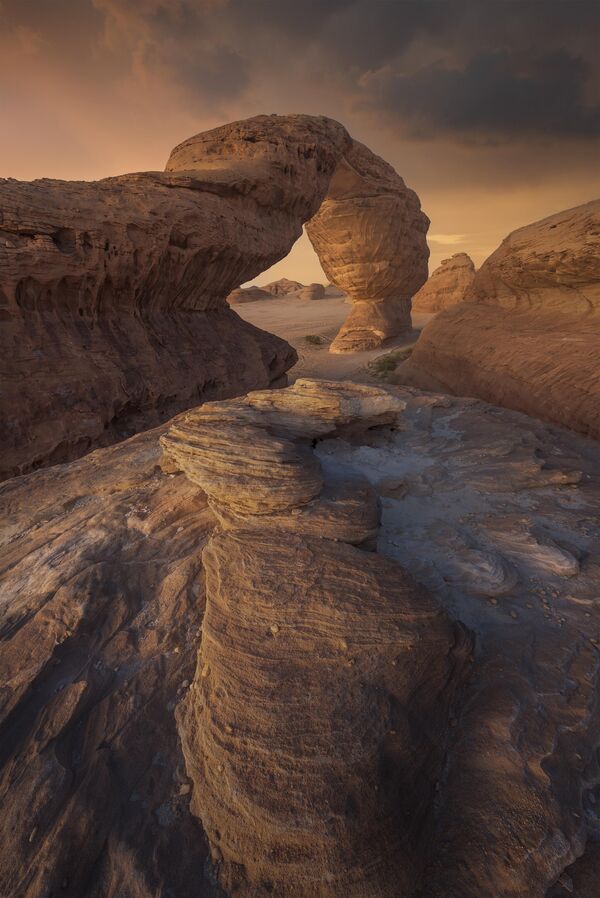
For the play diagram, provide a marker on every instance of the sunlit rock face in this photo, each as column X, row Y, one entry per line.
column 528, row 334
column 358, row 626
column 370, row 236
column 447, row 285
column 113, row 293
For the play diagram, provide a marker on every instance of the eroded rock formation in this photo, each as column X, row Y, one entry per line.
column 247, row 294
column 370, row 237
column 283, row 287
column 112, row 293
column 495, row 514
column 315, row 727
column 447, row 285
column 528, row 334
column 312, row 291
column 101, row 607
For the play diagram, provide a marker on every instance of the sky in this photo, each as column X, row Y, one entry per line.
column 489, row 109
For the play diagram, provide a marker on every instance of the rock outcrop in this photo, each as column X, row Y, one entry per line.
column 312, row 291
column 101, row 606
column 311, row 772
column 528, row 334
column 247, row 294
column 495, row 514
column 447, row 285
column 113, row 293
column 369, row 235
column 283, row 287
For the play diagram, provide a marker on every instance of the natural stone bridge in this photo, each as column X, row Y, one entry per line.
column 112, row 293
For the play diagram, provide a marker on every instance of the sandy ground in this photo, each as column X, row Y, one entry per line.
column 294, row 319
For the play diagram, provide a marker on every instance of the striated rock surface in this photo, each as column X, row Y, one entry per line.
column 330, row 749
column 370, row 236
column 113, row 293
column 315, row 727
column 528, row 334
column 101, row 602
column 447, row 285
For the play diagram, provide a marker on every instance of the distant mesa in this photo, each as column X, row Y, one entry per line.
column 283, row 287
column 447, row 285
column 313, row 291
column 279, row 290
column 527, row 335
column 247, row 294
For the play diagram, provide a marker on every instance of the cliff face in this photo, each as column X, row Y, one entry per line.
column 113, row 293
column 447, row 285
column 528, row 334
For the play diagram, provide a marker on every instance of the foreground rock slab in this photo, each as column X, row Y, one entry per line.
column 446, row 732
column 528, row 335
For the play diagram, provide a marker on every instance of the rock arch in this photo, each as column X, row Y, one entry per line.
column 112, row 293
column 365, row 224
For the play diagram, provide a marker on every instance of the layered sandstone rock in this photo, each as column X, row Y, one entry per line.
column 447, row 285
column 101, row 605
column 113, row 293
column 528, row 334
column 312, row 291
column 495, row 514
column 311, row 774
column 370, row 236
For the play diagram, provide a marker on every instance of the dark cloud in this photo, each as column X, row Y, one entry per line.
column 493, row 97
column 490, row 70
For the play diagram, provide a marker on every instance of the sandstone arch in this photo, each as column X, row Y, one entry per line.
column 113, row 292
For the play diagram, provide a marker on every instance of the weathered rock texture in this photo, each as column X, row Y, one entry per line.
column 528, row 336
column 370, row 236
column 447, row 285
column 112, row 294
column 312, row 291
column 495, row 514
column 314, row 731
column 101, row 602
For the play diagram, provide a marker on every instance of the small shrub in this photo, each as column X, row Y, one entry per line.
column 385, row 365
column 314, row 339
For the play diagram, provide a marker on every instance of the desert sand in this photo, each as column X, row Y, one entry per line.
column 295, row 319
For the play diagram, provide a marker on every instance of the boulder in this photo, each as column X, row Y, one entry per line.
column 447, row 285
column 527, row 335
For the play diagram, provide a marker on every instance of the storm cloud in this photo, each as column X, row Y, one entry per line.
column 490, row 109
